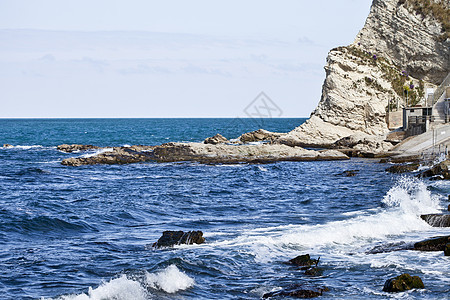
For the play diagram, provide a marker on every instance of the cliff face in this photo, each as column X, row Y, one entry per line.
column 404, row 44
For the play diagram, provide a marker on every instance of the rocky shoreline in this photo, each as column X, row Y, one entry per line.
column 198, row 152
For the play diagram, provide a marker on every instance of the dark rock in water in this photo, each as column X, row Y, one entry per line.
column 448, row 208
column 402, row 283
column 118, row 155
column 217, row 139
column 437, row 220
column 433, row 244
column 7, row 146
column 439, row 171
column 303, row 261
column 390, row 247
column 298, row 291
column 314, row 271
column 172, row 238
column 349, row 173
column 447, row 250
column 402, row 168
column 75, row 147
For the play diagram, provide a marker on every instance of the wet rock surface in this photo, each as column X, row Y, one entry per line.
column 434, row 244
column 439, row 171
column 402, row 283
column 172, row 238
column 390, row 247
column 403, row 168
column 437, row 220
column 297, row 291
column 303, row 261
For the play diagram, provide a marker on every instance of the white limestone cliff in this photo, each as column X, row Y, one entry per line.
column 397, row 48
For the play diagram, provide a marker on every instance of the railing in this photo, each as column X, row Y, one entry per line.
column 420, row 119
column 440, row 90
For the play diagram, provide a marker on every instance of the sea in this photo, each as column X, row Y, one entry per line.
column 76, row 233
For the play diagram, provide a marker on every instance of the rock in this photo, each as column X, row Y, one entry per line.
column 440, row 170
column 119, row 155
column 8, row 146
column 448, row 208
column 314, row 271
column 75, row 147
column 298, row 291
column 402, row 283
column 259, row 135
column 364, row 143
column 390, row 247
column 447, row 249
column 433, row 244
column 172, row 238
column 349, row 173
column 206, row 153
column 403, row 168
column 217, row 139
column 303, row 261
column 437, row 220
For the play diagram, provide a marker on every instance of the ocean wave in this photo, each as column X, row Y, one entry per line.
column 403, row 205
column 169, row 280
column 44, row 224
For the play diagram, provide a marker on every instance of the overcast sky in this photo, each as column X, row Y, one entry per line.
column 142, row 58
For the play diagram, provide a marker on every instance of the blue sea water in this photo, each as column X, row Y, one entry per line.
column 86, row 232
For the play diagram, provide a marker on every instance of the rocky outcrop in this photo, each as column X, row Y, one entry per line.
column 439, row 171
column 75, row 147
column 437, row 220
column 447, row 250
column 172, row 238
column 259, row 135
column 205, row 153
column 303, row 261
column 217, row 139
column 403, row 283
column 403, row 168
column 433, row 244
column 402, row 42
column 363, row 143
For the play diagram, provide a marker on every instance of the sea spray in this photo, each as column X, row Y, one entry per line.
column 170, row 280
column 119, row 288
column 402, row 206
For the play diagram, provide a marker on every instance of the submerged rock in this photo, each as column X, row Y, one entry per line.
column 447, row 250
column 433, row 244
column 390, row 247
column 298, row 291
column 349, row 173
column 8, row 146
column 172, row 238
column 217, row 139
column 402, row 283
column 437, row 220
column 75, row 147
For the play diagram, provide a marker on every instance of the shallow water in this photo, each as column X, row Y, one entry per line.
column 86, row 232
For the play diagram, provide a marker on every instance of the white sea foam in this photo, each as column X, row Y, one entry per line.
column 118, row 289
column 20, row 147
column 404, row 203
column 97, row 152
column 170, row 280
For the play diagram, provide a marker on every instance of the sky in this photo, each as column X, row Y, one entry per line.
column 144, row 58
